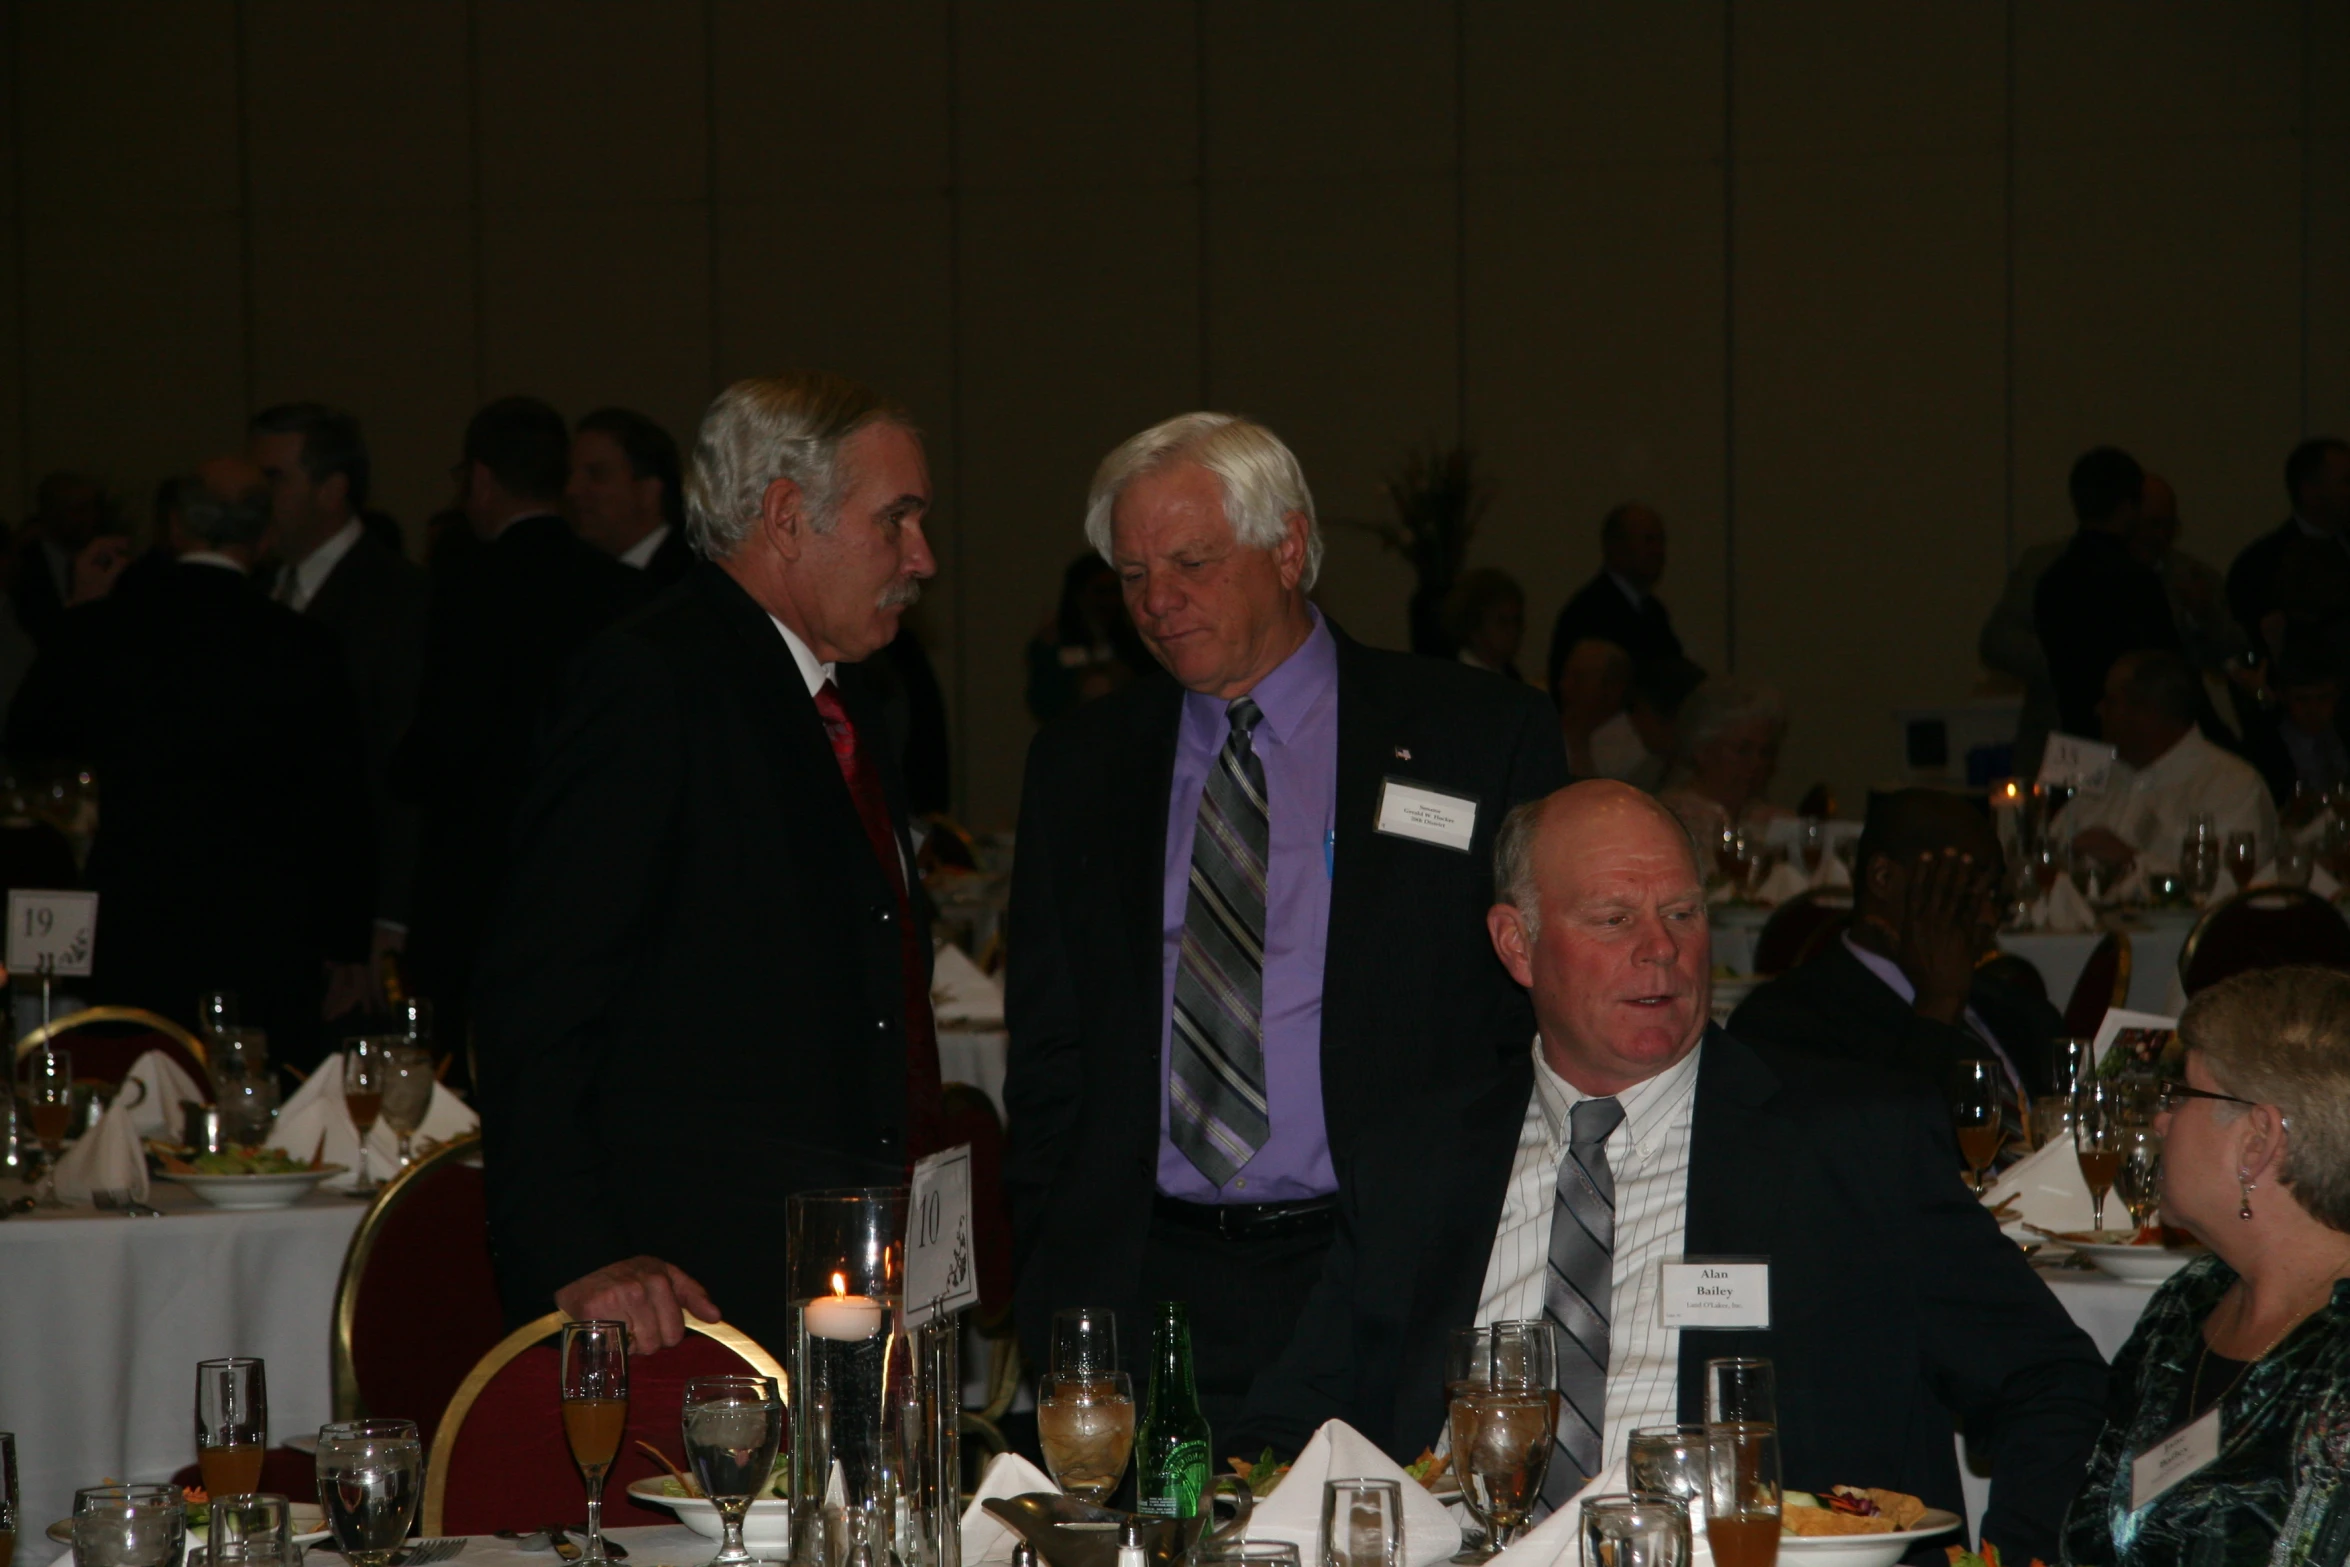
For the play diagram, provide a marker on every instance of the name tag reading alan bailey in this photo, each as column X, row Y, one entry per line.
column 1718, row 1292
column 1425, row 815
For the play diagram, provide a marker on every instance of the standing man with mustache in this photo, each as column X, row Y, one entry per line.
column 708, row 984
column 1248, row 958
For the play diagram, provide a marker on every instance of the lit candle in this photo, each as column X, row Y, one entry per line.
column 842, row 1315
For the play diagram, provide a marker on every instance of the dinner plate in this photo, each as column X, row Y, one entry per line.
column 2137, row 1264
column 307, row 1521
column 1864, row 1550
column 766, row 1527
column 246, row 1193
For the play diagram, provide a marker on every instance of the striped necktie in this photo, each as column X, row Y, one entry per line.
column 1216, row 1061
column 1575, row 1295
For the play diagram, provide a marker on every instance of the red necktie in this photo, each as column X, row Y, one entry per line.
column 923, row 1106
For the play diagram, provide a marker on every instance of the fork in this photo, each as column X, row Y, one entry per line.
column 124, row 1203
column 424, row 1552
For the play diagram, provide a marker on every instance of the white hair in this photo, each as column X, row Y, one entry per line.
column 1260, row 477
column 768, row 428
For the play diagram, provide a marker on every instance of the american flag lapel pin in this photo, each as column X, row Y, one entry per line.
column 1403, row 753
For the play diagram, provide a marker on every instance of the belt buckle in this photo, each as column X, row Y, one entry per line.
column 1229, row 1225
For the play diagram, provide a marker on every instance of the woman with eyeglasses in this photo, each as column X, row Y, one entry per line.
column 2227, row 1437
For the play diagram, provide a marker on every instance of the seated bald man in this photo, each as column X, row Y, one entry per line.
column 1638, row 1134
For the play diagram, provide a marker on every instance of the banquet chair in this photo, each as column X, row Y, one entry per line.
column 2103, row 985
column 106, row 1041
column 417, row 1304
column 1798, row 928
column 2264, row 927
column 499, row 1460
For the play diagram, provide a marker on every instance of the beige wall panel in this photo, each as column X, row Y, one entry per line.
column 1595, row 376
column 1080, row 326
column 1847, row 78
column 1062, row 92
column 2106, row 72
column 1335, row 323
column 1869, row 446
column 606, row 304
column 819, row 96
column 1611, row 79
column 1313, row 88
column 2329, row 288
column 129, row 106
column 2326, row 59
column 136, row 351
column 373, row 312
column 357, row 104
column 16, row 482
column 600, row 103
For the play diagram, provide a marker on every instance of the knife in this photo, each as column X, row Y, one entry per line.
column 564, row 1547
column 612, row 1547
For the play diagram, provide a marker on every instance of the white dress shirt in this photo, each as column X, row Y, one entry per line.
column 641, row 553
column 1617, row 749
column 215, row 558
column 812, row 669
column 2149, row 808
column 302, row 582
column 1648, row 1153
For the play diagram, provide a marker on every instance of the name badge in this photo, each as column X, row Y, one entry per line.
column 1425, row 815
column 1716, row 1293
column 2175, row 1457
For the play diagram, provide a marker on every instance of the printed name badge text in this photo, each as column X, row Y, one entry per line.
column 1426, row 815
column 2175, row 1457
column 1716, row 1294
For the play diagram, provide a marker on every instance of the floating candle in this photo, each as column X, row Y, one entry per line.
column 841, row 1315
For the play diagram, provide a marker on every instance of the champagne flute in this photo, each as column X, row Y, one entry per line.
column 1741, row 1391
column 9, row 1500
column 1742, row 1493
column 2243, row 858
column 1634, row 1530
column 595, row 1413
column 365, row 1068
column 2097, row 1140
column 2139, row 1178
column 407, row 1094
column 50, row 1097
column 732, row 1427
column 370, row 1478
column 1974, row 1104
column 232, row 1424
column 1504, row 1424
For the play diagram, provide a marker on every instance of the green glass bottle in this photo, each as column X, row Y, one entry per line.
column 1171, row 1448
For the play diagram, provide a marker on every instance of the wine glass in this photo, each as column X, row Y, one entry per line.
column 407, row 1093
column 1362, row 1523
column 412, row 1021
column 129, row 1526
column 1742, row 1493
column 370, row 1478
column 366, row 1066
column 2294, row 861
column 2243, row 858
column 1974, row 1104
column 216, row 1013
column 732, row 1427
column 1627, row 1529
column 49, row 1094
column 232, row 1424
column 1504, row 1420
column 2139, row 1176
column 254, row 1530
column 1812, row 843
column 2098, row 1124
column 595, row 1413
column 1741, row 1391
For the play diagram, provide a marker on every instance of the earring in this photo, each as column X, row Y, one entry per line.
column 2244, row 1203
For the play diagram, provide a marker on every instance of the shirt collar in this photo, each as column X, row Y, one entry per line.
column 215, row 558
column 641, row 553
column 311, row 574
column 1632, row 590
column 1883, row 967
column 1649, row 1105
column 812, row 670
column 1290, row 693
column 2184, row 757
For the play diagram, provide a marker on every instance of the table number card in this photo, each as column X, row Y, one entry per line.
column 2082, row 764
column 940, row 1275
column 58, row 929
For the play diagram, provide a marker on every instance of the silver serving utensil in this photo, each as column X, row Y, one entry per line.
column 612, row 1547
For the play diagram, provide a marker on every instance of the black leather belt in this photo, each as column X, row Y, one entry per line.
column 1239, row 1221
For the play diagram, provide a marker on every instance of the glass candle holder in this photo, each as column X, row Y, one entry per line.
column 845, row 1269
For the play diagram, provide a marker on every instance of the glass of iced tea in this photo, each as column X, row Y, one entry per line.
column 49, row 1097
column 232, row 1424
column 1503, row 1416
column 1742, row 1493
column 595, row 1413
column 1085, row 1424
column 366, row 1063
column 2098, row 1127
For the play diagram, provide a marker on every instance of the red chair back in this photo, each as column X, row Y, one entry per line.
column 2104, row 984
column 106, row 1041
column 417, row 1307
column 500, row 1460
column 1798, row 928
column 2267, row 927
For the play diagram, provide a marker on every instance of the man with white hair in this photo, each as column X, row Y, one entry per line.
column 708, row 984
column 1247, row 956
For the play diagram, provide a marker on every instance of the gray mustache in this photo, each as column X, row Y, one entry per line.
column 897, row 593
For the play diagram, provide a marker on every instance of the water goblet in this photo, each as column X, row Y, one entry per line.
column 370, row 1478
column 49, row 1095
column 1503, row 1416
column 733, row 1426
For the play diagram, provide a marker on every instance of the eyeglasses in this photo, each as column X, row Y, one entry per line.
column 2172, row 1097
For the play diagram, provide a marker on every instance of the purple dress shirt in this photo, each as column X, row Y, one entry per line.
column 1297, row 741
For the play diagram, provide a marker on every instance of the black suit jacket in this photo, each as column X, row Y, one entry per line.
column 1897, row 1307
column 691, row 1002
column 503, row 628
column 671, row 561
column 2092, row 606
column 1601, row 610
column 2252, row 579
column 233, row 846
column 1833, row 1006
column 1415, row 1006
column 376, row 602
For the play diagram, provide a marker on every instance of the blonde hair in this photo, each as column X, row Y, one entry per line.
column 2282, row 1037
column 789, row 426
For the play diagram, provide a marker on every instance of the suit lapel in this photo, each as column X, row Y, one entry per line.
column 343, row 585
column 1734, row 1193
column 1373, row 741
column 1139, row 780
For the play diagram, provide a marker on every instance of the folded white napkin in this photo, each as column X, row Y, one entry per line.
column 1785, row 881
column 960, row 993
column 2048, row 1188
column 1338, row 1451
column 986, row 1538
column 106, row 1158
column 317, row 1108
column 2062, row 911
column 157, row 1113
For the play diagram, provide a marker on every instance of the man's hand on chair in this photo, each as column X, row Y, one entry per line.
column 650, row 1295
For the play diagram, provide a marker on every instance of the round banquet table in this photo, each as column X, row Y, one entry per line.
column 106, row 1317
column 2154, row 962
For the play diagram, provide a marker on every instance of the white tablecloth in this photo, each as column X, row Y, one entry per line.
column 2154, row 963
column 975, row 1056
column 648, row 1545
column 103, row 1318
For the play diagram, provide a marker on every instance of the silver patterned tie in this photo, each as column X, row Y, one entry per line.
column 1216, row 1066
column 1575, row 1295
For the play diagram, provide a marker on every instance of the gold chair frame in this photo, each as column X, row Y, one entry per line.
column 2288, row 896
column 56, row 1027
column 436, row 1470
column 347, row 1403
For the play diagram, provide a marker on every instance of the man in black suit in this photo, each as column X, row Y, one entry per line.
column 2317, row 481
column 69, row 552
column 1896, row 1310
column 624, row 497
column 1620, row 604
column 1900, row 989
column 2098, row 600
column 1244, row 913
column 502, row 631
column 706, row 987
column 374, row 599
column 233, row 850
